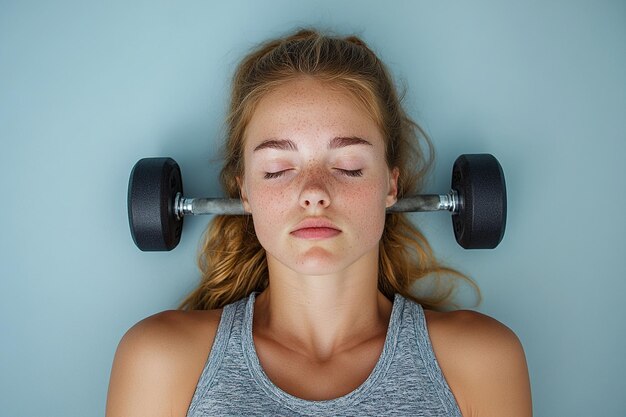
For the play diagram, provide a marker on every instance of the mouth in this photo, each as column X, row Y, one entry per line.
column 315, row 228
column 315, row 232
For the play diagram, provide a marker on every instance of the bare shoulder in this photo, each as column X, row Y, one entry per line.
column 158, row 363
column 483, row 361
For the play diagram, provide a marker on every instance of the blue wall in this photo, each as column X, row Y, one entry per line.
column 87, row 88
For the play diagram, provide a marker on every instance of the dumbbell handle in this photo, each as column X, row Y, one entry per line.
column 232, row 206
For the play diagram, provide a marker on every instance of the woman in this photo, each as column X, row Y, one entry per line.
column 306, row 306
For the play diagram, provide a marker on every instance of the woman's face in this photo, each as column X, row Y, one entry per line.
column 315, row 178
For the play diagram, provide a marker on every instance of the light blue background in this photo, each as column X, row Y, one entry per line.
column 87, row 88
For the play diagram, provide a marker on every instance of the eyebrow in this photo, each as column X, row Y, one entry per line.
column 288, row 145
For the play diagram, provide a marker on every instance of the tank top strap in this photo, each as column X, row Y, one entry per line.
column 427, row 359
column 217, row 353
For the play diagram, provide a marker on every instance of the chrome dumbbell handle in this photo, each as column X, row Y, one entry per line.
column 232, row 206
column 428, row 202
column 196, row 206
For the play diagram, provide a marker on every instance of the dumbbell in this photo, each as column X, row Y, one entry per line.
column 477, row 201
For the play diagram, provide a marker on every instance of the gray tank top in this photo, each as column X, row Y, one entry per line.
column 406, row 380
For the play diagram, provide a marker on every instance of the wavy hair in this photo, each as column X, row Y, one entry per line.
column 231, row 259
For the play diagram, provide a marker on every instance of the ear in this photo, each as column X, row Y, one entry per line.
column 243, row 194
column 392, row 195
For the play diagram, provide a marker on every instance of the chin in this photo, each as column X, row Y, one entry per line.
column 315, row 261
column 318, row 261
column 324, row 263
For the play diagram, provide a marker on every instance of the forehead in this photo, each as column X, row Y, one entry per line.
column 308, row 107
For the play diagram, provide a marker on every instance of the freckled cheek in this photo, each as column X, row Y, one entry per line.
column 368, row 212
column 267, row 198
column 268, row 208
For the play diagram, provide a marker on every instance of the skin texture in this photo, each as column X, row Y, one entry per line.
column 320, row 326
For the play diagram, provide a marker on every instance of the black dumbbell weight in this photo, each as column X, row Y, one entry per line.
column 480, row 219
column 153, row 186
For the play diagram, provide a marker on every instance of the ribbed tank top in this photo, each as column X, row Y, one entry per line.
column 406, row 381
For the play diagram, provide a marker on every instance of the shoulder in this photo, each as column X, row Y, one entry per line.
column 483, row 361
column 158, row 363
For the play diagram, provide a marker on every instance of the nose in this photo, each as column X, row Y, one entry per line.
column 314, row 194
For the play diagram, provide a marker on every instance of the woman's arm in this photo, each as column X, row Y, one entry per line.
column 483, row 362
column 158, row 362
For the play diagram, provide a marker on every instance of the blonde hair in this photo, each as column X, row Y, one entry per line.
column 231, row 259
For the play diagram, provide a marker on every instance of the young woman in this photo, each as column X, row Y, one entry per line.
column 307, row 307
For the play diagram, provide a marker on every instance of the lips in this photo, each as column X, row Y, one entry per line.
column 315, row 228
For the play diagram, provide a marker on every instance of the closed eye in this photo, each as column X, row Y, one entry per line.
column 272, row 175
column 351, row 173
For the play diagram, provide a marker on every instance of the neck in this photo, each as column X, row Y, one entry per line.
column 323, row 315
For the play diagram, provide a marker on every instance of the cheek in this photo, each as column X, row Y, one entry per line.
column 367, row 205
column 268, row 208
column 266, row 200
